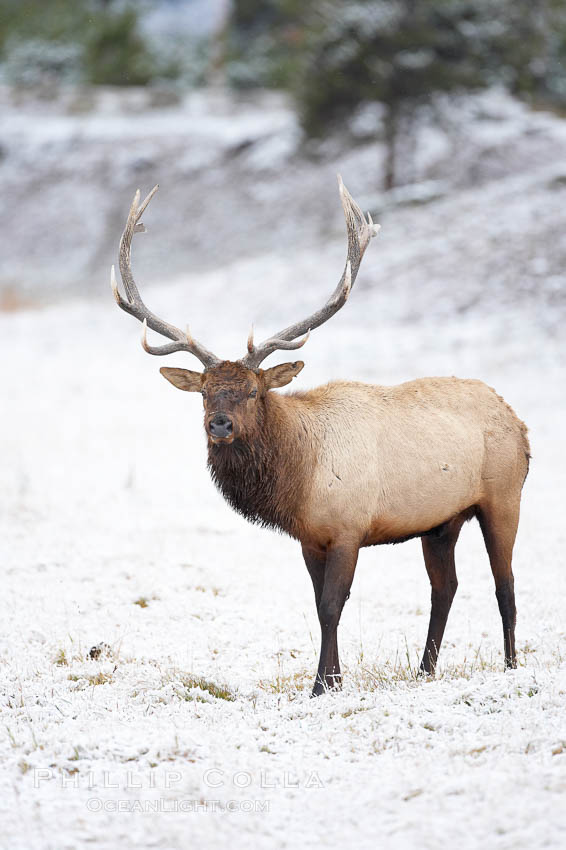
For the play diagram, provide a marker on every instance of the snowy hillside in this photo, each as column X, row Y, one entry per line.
column 193, row 723
column 235, row 186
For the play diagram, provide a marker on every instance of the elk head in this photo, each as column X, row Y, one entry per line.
column 234, row 392
column 232, row 395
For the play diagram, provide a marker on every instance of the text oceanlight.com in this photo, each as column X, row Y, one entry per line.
column 184, row 806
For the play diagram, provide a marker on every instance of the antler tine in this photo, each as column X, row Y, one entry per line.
column 142, row 207
column 251, row 347
column 169, row 348
column 359, row 233
column 133, row 303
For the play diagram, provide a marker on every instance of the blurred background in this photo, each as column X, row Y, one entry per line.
column 445, row 118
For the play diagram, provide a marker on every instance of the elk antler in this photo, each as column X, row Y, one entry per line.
column 360, row 232
column 134, row 305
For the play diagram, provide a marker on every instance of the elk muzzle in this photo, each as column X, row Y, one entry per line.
column 220, row 427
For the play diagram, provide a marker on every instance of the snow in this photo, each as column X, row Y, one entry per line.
column 106, row 503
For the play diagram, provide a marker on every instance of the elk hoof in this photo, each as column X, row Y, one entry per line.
column 319, row 688
column 329, row 683
column 423, row 673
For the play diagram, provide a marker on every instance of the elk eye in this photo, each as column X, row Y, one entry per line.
column 253, row 394
column 203, row 393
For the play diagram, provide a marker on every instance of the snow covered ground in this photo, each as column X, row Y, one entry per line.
column 112, row 533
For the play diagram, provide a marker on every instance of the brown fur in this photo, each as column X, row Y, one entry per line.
column 349, row 465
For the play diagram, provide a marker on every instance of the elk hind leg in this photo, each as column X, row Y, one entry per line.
column 499, row 522
column 438, row 550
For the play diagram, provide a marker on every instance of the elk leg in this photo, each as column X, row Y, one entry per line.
column 438, row 551
column 338, row 575
column 316, row 564
column 499, row 524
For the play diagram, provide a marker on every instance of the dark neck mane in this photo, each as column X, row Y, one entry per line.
column 262, row 477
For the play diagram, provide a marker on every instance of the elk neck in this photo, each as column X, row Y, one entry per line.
column 264, row 477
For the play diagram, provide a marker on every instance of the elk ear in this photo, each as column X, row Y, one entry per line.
column 183, row 379
column 279, row 376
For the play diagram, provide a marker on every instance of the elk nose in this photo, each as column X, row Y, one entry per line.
column 220, row 425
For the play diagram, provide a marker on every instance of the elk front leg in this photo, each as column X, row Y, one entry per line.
column 338, row 575
column 316, row 565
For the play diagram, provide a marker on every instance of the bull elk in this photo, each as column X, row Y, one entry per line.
column 349, row 464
